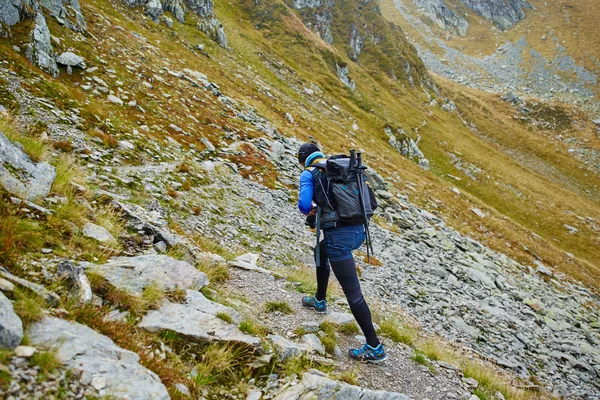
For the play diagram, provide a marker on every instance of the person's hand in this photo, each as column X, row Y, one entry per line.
column 312, row 212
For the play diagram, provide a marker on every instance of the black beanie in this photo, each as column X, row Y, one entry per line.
column 305, row 151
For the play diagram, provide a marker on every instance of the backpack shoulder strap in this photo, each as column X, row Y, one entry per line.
column 321, row 164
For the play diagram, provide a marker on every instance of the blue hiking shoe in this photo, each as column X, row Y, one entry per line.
column 368, row 354
column 319, row 306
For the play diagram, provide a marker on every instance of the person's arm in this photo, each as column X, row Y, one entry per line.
column 306, row 193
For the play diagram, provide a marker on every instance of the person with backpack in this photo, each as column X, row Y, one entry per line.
column 329, row 193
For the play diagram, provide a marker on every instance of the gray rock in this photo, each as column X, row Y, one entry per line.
column 286, row 348
column 134, row 274
column 114, row 99
column 503, row 13
column 50, row 297
column 316, row 385
column 2, row 109
column 343, row 73
column 71, row 59
column 339, row 318
column 443, row 16
column 11, row 327
column 197, row 318
column 116, row 316
column 248, row 262
column 6, row 286
column 98, row 233
column 13, row 11
column 22, row 177
column 60, row 10
column 463, row 327
column 313, row 343
column 39, row 51
column 154, row 9
column 94, row 357
column 77, row 281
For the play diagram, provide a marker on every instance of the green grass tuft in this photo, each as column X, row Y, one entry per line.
column 225, row 317
column 281, row 306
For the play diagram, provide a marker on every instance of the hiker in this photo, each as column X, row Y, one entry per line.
column 335, row 250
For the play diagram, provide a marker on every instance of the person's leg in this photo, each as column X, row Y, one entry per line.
column 345, row 272
column 323, row 272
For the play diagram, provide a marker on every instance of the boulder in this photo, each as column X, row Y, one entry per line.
column 96, row 358
column 21, row 176
column 11, row 327
column 71, row 59
column 98, row 233
column 134, row 274
column 316, row 385
column 197, row 318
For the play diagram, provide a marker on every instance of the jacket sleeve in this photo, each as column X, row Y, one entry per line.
column 306, row 192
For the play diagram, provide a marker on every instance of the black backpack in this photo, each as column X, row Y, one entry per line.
column 347, row 192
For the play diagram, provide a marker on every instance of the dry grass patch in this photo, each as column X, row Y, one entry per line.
column 28, row 306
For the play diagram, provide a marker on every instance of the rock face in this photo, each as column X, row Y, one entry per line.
column 197, row 318
column 316, row 385
column 407, row 147
column 21, row 176
column 343, row 74
column 66, row 12
column 503, row 13
column 11, row 327
column 209, row 24
column 134, row 274
column 116, row 372
column 39, row 51
column 13, row 11
column 443, row 16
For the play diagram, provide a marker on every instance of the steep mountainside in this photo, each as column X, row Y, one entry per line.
column 150, row 245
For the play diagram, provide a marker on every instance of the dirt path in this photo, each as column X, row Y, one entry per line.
column 399, row 373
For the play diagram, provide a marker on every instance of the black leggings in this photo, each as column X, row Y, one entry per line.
column 345, row 272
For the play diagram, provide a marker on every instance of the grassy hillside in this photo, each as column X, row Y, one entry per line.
column 529, row 191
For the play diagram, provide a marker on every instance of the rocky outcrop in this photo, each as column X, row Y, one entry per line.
column 14, row 11
column 22, row 177
column 316, row 385
column 11, row 327
column 213, row 28
column 134, row 274
column 356, row 43
column 198, row 318
column 407, row 147
column 503, row 13
column 39, row 51
column 66, row 12
column 443, row 16
column 209, row 23
column 113, row 371
column 344, row 75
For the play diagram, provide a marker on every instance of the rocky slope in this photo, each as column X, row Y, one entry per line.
column 149, row 224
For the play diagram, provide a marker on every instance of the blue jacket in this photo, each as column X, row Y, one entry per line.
column 305, row 197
